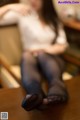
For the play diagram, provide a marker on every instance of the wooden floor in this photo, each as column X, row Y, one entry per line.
column 10, row 101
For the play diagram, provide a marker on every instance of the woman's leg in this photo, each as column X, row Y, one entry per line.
column 31, row 81
column 52, row 68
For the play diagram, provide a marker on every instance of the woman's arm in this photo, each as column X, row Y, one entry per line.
column 11, row 13
column 56, row 49
column 8, row 16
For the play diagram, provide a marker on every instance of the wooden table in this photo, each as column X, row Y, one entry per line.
column 10, row 101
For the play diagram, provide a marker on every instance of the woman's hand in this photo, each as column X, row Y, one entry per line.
column 20, row 8
column 36, row 52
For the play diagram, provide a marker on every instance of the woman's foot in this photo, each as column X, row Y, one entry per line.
column 52, row 100
column 56, row 99
column 57, row 94
column 31, row 102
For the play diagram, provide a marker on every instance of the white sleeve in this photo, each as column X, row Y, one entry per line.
column 61, row 39
column 11, row 17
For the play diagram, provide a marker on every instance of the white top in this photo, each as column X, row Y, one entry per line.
column 33, row 34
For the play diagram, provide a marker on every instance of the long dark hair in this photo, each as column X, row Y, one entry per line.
column 49, row 14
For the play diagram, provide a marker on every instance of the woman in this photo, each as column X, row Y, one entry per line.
column 44, row 41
